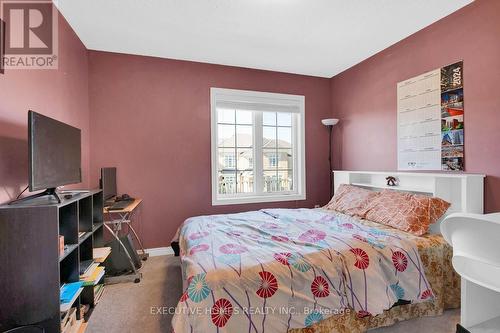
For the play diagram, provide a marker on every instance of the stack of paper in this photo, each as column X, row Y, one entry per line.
column 101, row 253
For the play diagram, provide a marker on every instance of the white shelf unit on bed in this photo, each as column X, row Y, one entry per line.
column 463, row 190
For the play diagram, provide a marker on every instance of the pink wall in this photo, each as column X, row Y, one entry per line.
column 150, row 118
column 364, row 96
column 61, row 94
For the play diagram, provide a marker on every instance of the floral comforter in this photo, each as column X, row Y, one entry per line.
column 277, row 269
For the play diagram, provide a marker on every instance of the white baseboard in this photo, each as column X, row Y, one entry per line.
column 160, row 251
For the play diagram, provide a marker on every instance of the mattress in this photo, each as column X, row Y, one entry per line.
column 303, row 270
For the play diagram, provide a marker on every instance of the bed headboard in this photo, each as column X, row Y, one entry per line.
column 463, row 190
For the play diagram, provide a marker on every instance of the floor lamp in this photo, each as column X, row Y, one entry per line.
column 330, row 122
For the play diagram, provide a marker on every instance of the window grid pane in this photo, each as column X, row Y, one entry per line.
column 285, row 180
column 284, row 119
column 227, row 182
column 244, row 181
column 244, row 117
column 235, row 153
column 226, row 116
column 270, row 181
column 269, row 118
column 277, row 152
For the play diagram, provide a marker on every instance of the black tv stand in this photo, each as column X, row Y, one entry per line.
column 48, row 192
column 37, row 269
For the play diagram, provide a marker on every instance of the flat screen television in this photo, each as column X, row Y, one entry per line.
column 54, row 153
column 108, row 182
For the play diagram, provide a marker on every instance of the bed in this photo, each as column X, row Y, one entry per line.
column 308, row 270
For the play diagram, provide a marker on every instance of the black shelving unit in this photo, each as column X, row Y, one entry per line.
column 32, row 269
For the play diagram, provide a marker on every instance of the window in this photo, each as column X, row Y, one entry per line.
column 273, row 160
column 229, row 161
column 257, row 147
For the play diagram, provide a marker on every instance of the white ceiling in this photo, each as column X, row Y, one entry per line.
column 312, row 37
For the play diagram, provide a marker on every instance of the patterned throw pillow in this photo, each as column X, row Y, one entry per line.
column 438, row 208
column 351, row 200
column 406, row 211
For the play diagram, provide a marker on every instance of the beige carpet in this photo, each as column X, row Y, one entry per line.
column 133, row 307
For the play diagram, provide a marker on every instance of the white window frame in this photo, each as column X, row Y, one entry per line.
column 283, row 101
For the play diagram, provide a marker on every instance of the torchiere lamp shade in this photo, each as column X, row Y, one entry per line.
column 329, row 121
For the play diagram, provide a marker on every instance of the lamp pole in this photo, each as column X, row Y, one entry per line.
column 330, row 123
column 330, row 130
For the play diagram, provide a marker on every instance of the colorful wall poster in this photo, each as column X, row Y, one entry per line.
column 452, row 117
column 431, row 120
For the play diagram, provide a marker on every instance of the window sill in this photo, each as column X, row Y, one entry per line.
column 257, row 199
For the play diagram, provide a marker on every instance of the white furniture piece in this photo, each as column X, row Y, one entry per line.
column 476, row 257
column 463, row 190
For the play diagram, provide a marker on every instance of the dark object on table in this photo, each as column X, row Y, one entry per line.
column 108, row 182
column 391, row 181
column 175, row 247
column 119, row 205
column 124, row 197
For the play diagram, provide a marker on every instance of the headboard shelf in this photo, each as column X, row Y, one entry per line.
column 415, row 174
column 463, row 190
column 399, row 188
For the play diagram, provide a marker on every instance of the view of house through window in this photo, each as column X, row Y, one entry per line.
column 256, row 150
column 277, row 150
column 235, row 151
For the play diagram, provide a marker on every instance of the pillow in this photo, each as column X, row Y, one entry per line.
column 351, row 200
column 405, row 211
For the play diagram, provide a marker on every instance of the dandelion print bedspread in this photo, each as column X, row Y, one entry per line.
column 277, row 269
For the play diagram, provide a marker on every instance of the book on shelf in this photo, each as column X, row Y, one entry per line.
column 98, row 291
column 94, row 278
column 98, row 287
column 101, row 253
column 89, row 271
column 61, row 245
column 69, row 292
column 84, row 265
